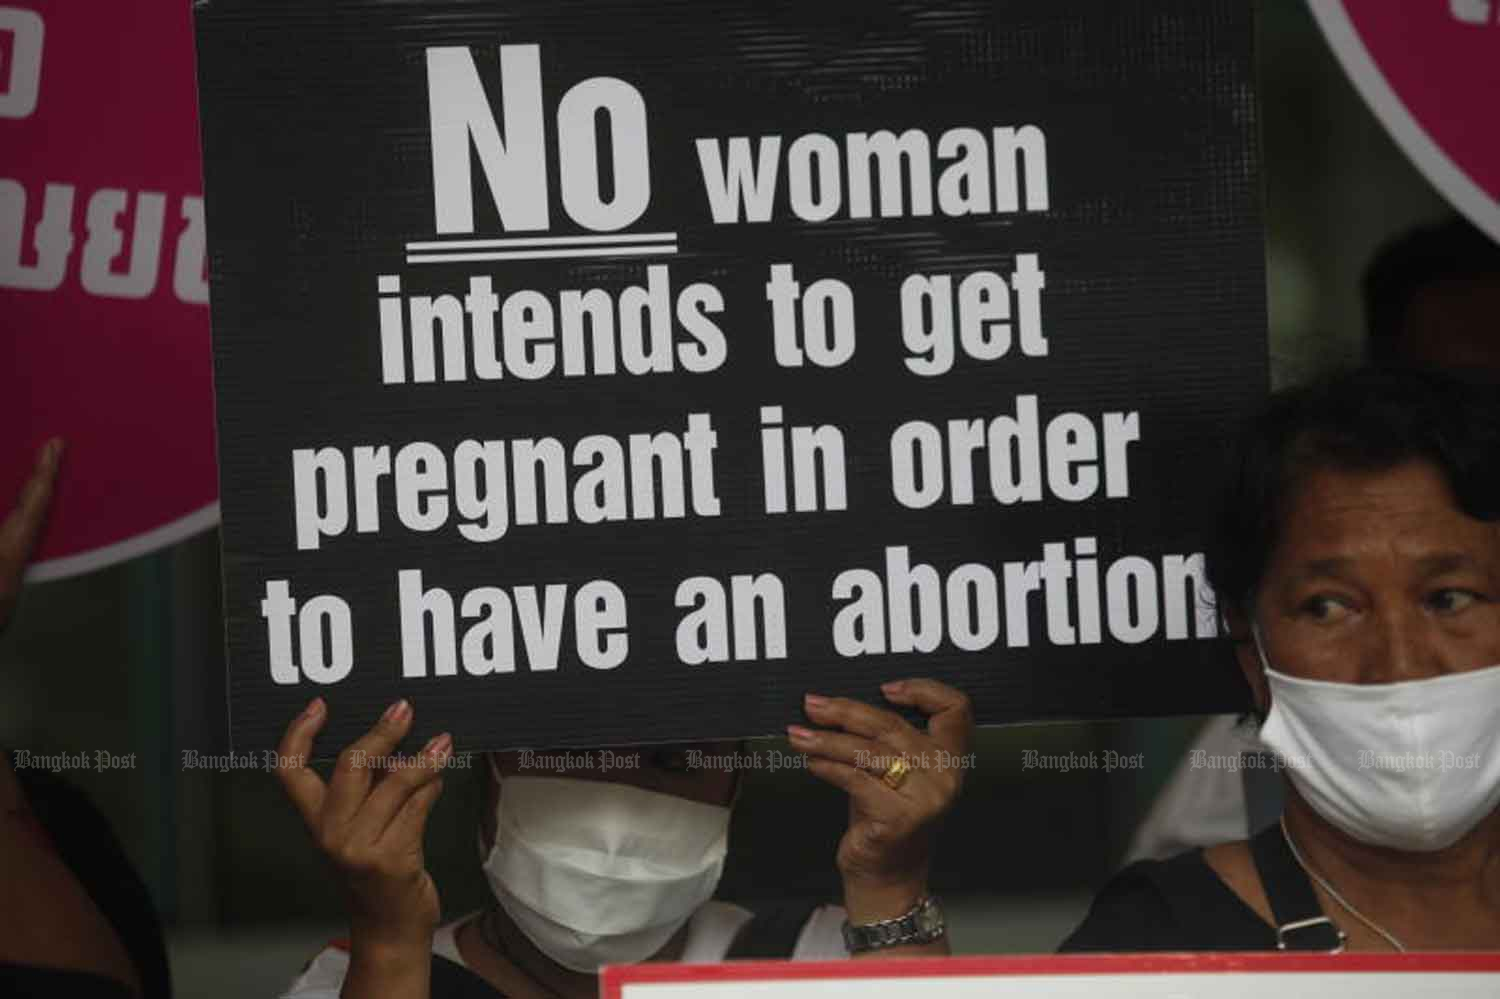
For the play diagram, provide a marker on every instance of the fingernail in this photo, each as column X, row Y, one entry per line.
column 814, row 700
column 438, row 745
column 314, row 708
column 893, row 687
column 396, row 711
column 51, row 451
column 799, row 734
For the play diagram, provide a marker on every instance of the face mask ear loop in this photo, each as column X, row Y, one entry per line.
column 499, row 792
column 1260, row 646
column 1265, row 665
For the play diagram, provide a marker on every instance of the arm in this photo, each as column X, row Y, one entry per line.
column 19, row 533
column 885, row 853
column 372, row 832
column 393, row 968
column 870, row 903
column 22, row 527
column 47, row 917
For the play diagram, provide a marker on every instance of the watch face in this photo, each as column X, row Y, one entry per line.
column 929, row 919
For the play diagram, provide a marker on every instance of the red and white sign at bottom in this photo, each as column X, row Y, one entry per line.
column 1077, row 976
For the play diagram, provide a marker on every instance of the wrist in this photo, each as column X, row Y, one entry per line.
column 386, row 964
column 920, row 930
column 870, row 900
column 390, row 943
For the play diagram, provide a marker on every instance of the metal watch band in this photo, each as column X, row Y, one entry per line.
column 922, row 923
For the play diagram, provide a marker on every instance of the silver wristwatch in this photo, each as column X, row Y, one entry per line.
column 922, row 923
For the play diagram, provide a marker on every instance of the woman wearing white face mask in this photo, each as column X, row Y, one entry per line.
column 600, row 857
column 1358, row 565
column 593, row 857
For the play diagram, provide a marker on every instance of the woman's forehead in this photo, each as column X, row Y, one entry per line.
column 710, row 754
column 701, row 745
column 1338, row 518
column 701, row 771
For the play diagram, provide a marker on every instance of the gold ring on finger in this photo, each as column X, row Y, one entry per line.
column 895, row 775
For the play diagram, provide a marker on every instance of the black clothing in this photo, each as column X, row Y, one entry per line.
column 454, row 981
column 1180, row 904
column 87, row 846
column 27, row 981
column 772, row 933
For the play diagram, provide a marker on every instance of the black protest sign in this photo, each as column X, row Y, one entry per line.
column 594, row 373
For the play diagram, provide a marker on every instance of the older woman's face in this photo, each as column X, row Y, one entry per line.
column 1379, row 578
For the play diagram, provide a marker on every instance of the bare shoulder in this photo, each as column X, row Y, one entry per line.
column 1235, row 867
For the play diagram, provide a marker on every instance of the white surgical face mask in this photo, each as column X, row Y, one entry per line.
column 1412, row 766
column 599, row 873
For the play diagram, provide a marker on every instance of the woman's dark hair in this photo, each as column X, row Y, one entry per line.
column 1363, row 420
column 1451, row 250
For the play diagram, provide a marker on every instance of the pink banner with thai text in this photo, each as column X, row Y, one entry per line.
column 103, row 289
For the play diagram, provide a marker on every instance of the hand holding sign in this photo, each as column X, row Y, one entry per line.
column 372, row 831
column 893, row 806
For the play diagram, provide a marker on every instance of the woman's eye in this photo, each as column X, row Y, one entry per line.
column 1451, row 601
column 1323, row 608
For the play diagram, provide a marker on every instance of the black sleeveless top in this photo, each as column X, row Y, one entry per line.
column 1180, row 904
column 1170, row 905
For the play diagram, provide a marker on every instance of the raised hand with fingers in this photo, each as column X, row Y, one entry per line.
column 900, row 780
column 22, row 527
column 372, row 831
